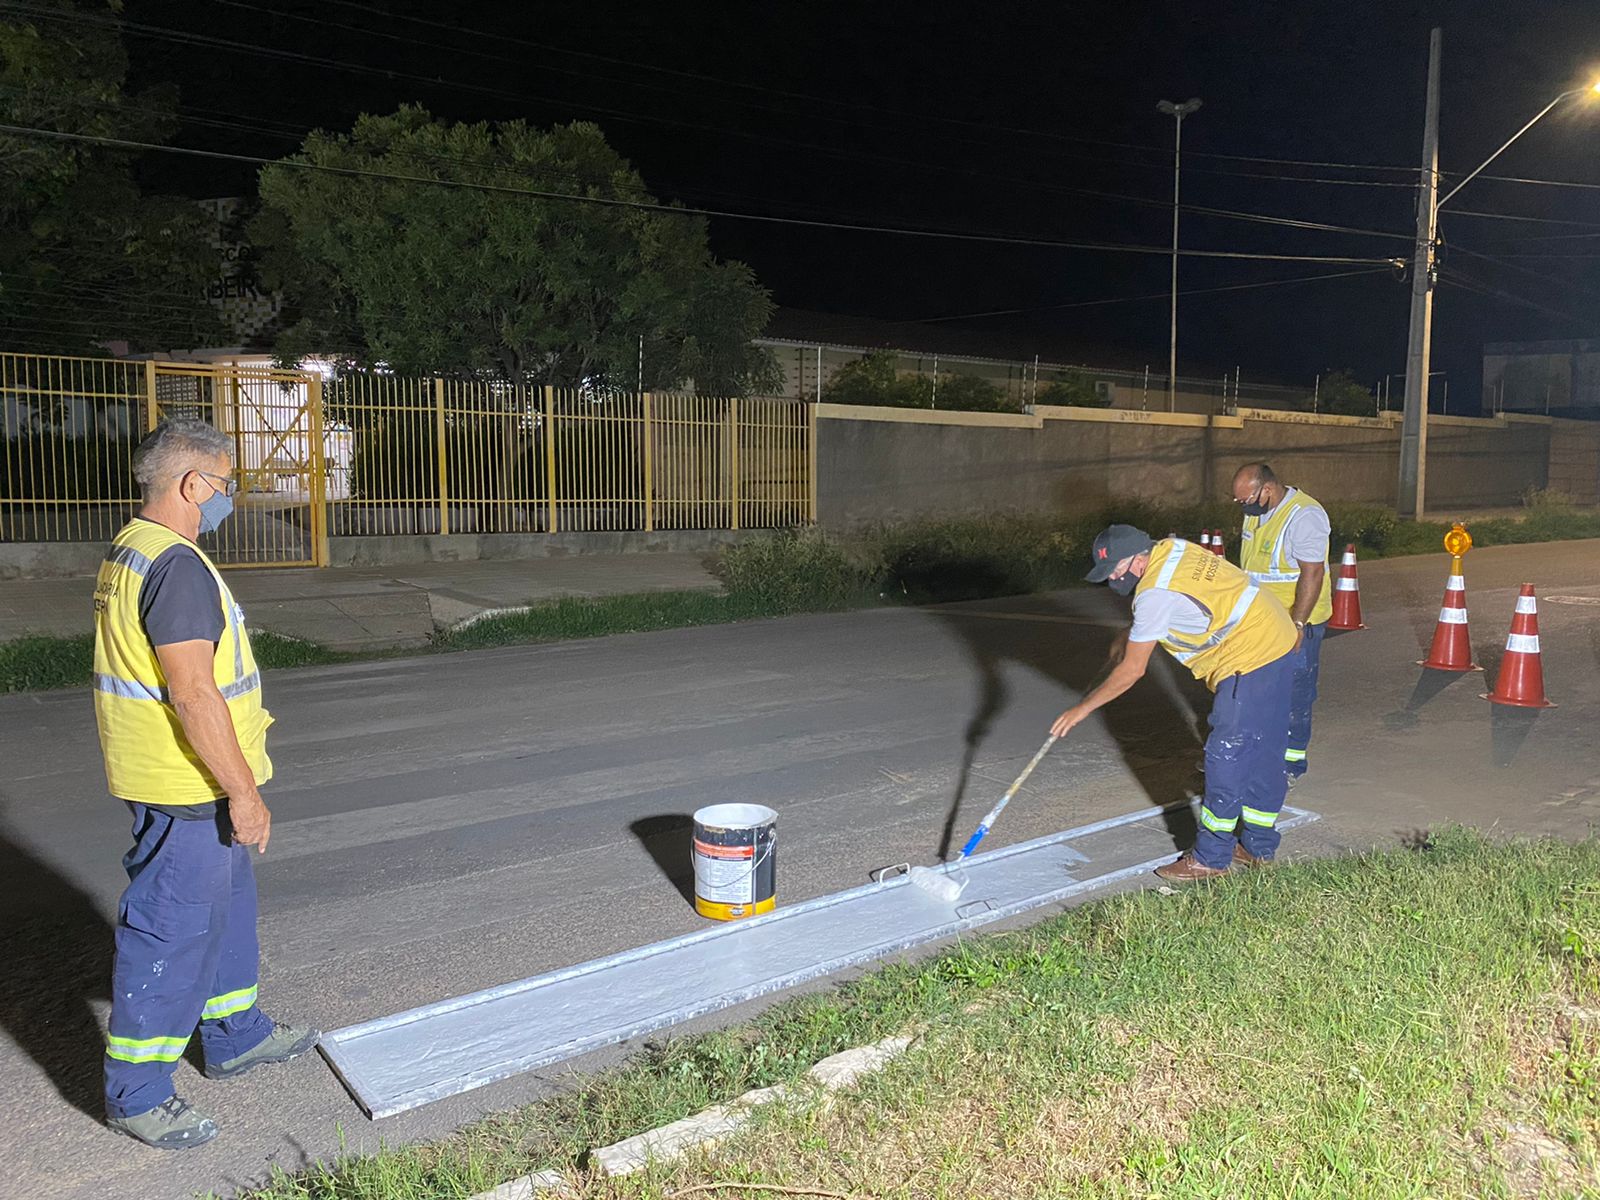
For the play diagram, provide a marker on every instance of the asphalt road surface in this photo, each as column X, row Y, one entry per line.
column 449, row 823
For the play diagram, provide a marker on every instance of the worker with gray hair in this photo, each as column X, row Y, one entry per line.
column 177, row 699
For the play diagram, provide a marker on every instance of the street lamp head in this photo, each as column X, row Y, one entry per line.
column 1178, row 110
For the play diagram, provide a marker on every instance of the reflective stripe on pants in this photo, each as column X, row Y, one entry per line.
column 1244, row 764
column 186, row 955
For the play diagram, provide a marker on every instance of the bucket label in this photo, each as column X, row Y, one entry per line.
column 724, row 874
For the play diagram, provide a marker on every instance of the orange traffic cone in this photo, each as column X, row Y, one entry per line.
column 1521, row 680
column 1205, row 540
column 1219, row 545
column 1452, row 642
column 1347, row 595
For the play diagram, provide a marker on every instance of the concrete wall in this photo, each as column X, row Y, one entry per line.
column 884, row 465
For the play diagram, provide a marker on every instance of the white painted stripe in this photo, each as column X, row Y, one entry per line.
column 1522, row 643
column 1452, row 616
column 1347, row 585
column 1527, row 604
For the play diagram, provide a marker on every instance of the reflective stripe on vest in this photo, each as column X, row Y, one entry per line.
column 1269, row 566
column 1246, row 629
column 147, row 757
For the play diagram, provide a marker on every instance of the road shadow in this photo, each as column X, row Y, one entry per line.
column 669, row 840
column 1430, row 684
column 1154, row 725
column 57, row 949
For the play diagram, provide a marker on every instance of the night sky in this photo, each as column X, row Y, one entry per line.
column 997, row 118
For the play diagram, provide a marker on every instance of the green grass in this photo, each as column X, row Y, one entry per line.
column 1385, row 1025
column 37, row 664
column 919, row 563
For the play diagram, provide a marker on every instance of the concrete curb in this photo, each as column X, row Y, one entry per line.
column 832, row 1074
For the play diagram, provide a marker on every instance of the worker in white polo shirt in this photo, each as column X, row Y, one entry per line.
column 1283, row 546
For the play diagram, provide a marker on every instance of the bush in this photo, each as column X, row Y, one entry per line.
column 875, row 379
column 47, row 465
column 970, row 393
column 793, row 572
column 1073, row 390
column 1537, row 497
column 974, row 558
column 1365, row 526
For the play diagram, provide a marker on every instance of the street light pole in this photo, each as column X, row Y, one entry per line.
column 1414, row 423
column 1178, row 112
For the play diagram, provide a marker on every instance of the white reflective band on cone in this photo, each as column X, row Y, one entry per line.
column 1527, row 604
column 1457, row 584
column 1347, row 585
column 1522, row 643
column 1452, row 616
column 1349, row 559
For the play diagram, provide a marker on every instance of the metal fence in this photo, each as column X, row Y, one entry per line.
column 809, row 367
column 372, row 454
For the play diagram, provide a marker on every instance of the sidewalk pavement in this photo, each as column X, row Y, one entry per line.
column 371, row 608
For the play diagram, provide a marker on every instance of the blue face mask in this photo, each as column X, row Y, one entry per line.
column 214, row 510
column 1124, row 584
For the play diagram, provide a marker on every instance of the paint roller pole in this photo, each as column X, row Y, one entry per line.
column 939, row 883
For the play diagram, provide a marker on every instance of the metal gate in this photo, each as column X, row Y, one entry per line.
column 275, row 420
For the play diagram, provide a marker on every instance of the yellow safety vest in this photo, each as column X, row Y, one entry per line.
column 1248, row 627
column 1261, row 553
column 148, row 759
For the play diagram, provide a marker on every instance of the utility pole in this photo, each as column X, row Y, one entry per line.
column 1414, row 422
column 1178, row 112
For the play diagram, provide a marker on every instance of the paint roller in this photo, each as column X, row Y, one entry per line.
column 943, row 882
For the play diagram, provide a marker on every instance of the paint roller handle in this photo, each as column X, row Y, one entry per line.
column 994, row 813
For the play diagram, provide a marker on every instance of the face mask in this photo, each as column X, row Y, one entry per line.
column 1254, row 510
column 1124, row 584
column 214, row 510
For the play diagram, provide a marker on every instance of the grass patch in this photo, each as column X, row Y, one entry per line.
column 1403, row 1024
column 38, row 664
column 600, row 617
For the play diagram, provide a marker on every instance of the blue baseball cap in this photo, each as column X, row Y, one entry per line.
column 1114, row 544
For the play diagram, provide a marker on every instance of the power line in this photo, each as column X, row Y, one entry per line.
column 1232, row 287
column 182, row 37
column 634, row 65
column 1474, row 285
column 677, row 210
column 499, row 168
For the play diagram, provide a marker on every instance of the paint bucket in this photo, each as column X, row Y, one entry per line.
column 735, row 861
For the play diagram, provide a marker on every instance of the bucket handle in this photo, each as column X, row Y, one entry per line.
column 772, row 844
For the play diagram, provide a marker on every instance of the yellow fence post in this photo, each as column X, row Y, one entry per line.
column 317, row 476
column 811, row 462
column 550, row 457
column 733, row 459
column 441, row 456
column 649, row 470
column 152, row 416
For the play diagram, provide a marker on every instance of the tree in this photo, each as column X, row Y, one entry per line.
column 1339, row 395
column 452, row 268
column 85, row 257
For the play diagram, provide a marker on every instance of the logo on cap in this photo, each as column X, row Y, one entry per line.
column 1102, row 551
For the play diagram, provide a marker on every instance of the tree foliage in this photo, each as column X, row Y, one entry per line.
column 875, row 379
column 422, row 274
column 1340, row 395
column 86, row 257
